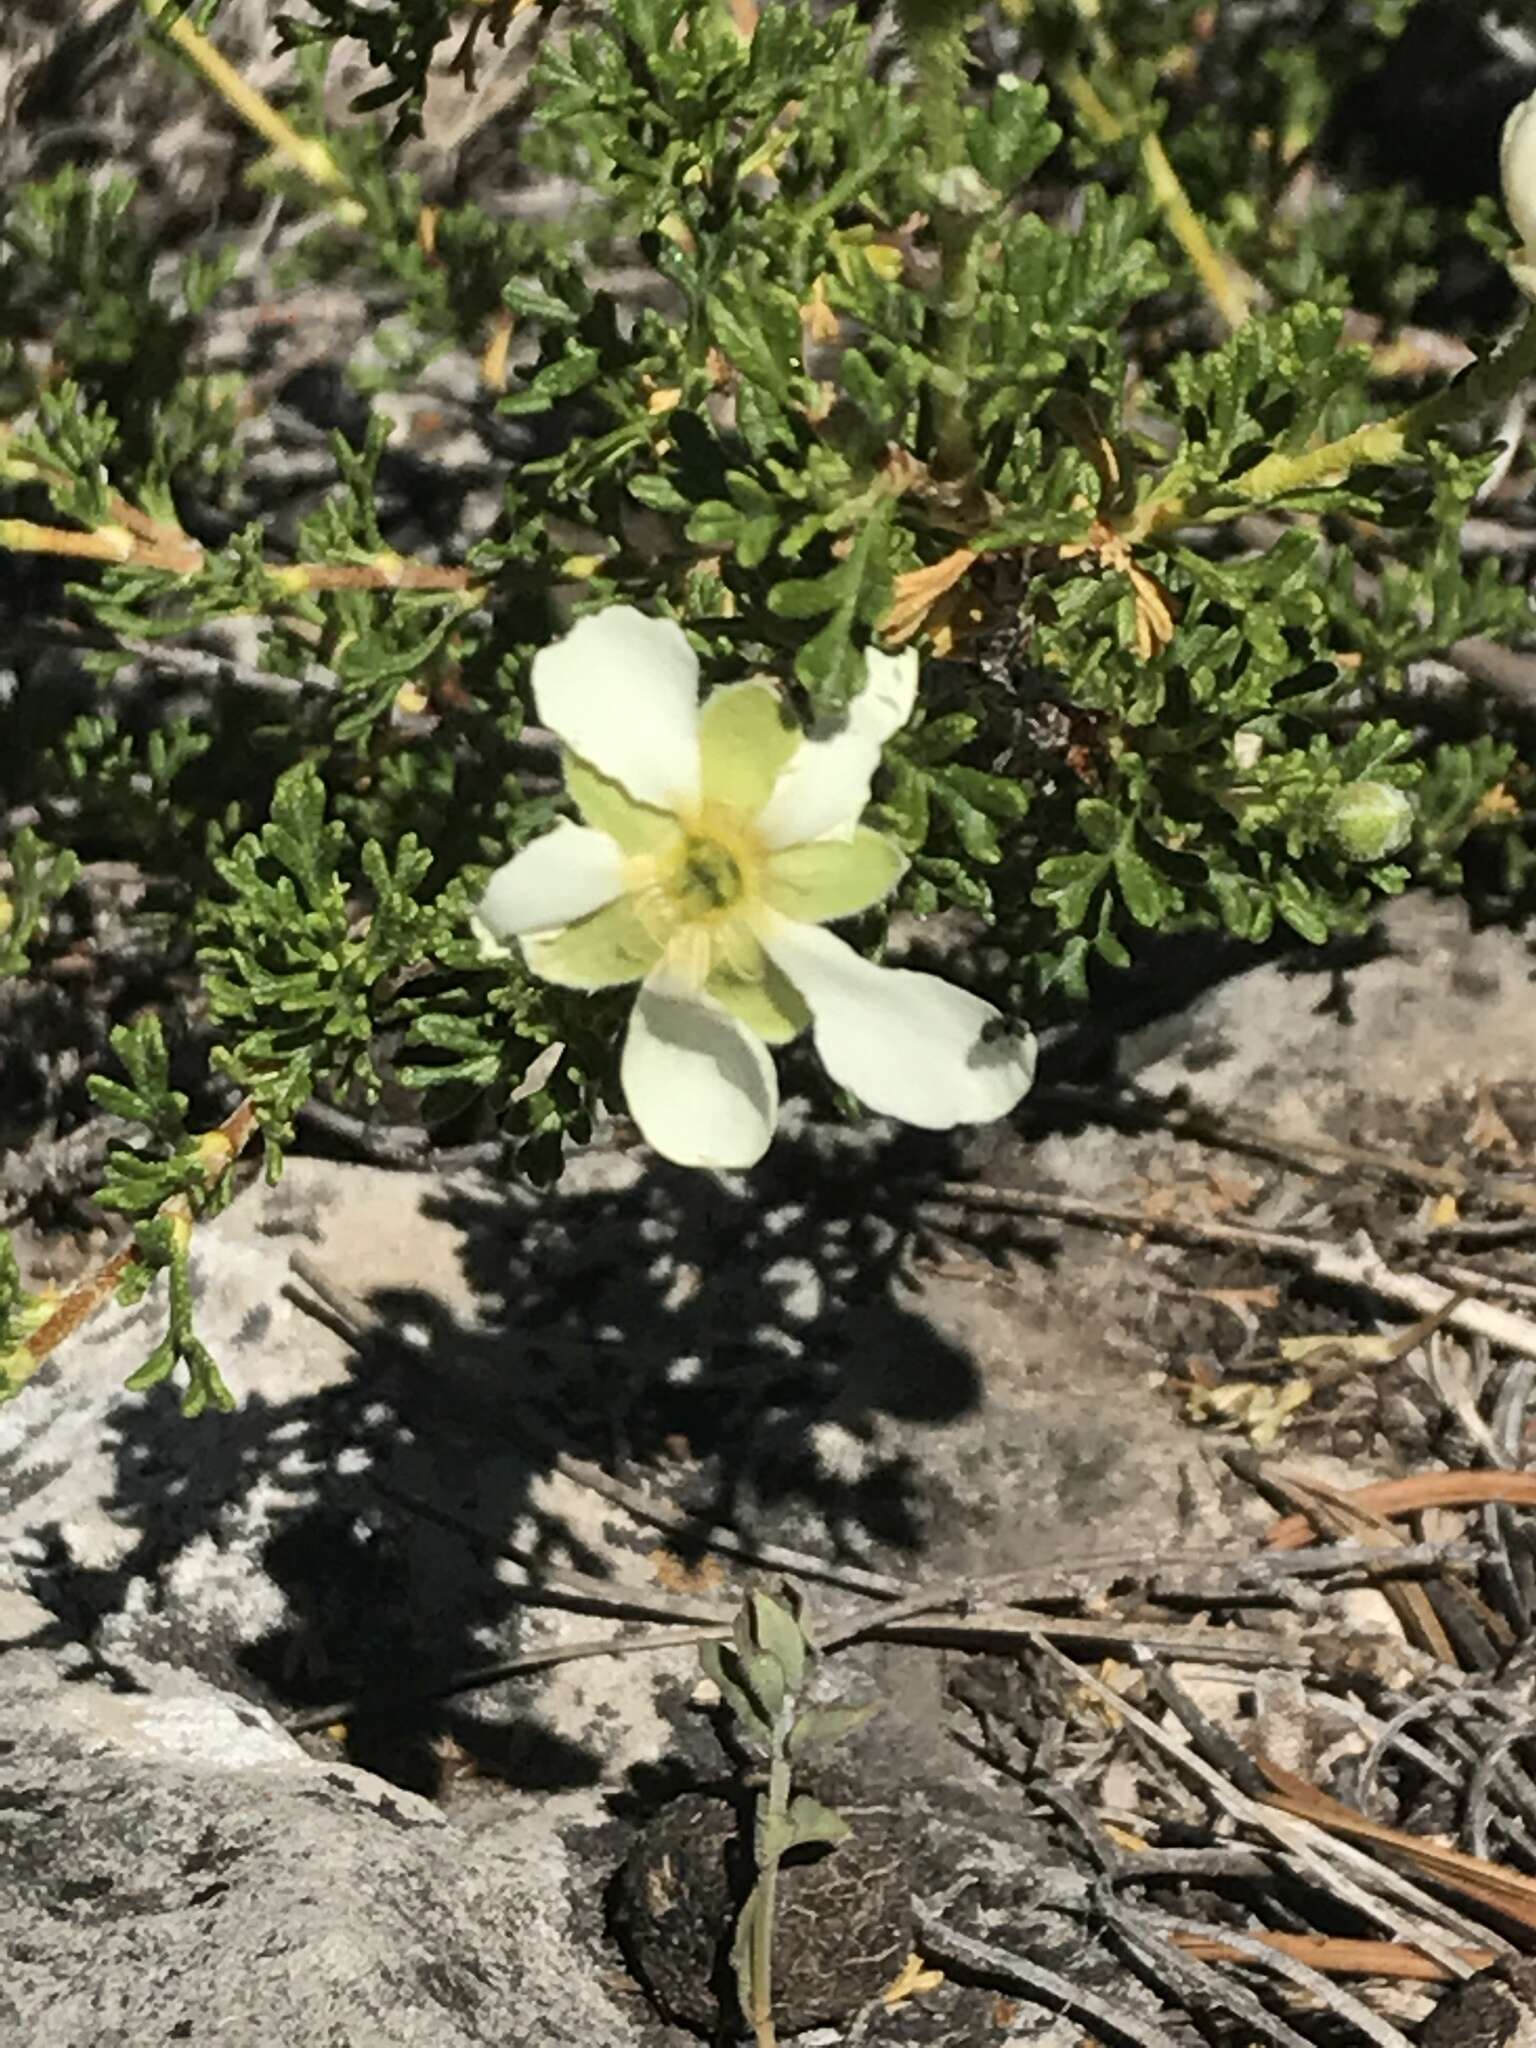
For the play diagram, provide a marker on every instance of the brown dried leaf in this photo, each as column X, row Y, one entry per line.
column 493, row 361
column 818, row 318
column 1488, row 1132
column 676, row 1576
column 1154, row 612
column 914, row 1977
column 918, row 591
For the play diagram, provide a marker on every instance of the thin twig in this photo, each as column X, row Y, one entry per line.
column 308, row 156
column 547, row 1584
column 1334, row 1514
column 224, row 1146
column 1228, row 288
column 1197, row 1986
column 1497, row 1772
column 197, row 664
column 363, row 1326
column 1484, row 1280
column 1329, row 1953
column 1237, row 1134
column 1360, row 1267
column 947, row 1944
column 1368, row 2025
column 1097, row 1215
column 1194, row 1644
column 1388, row 1497
column 401, row 1146
column 1313, row 1850
column 482, row 1675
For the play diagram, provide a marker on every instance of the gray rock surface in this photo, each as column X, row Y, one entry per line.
column 794, row 1355
column 360, row 1525
column 175, row 1868
column 1434, row 1006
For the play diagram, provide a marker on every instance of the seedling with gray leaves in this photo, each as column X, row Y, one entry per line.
column 764, row 1674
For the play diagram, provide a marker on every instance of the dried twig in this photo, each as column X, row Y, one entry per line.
column 1484, row 1280
column 1495, row 1771
column 1196, row 1644
column 1315, row 1854
column 1510, row 1565
column 1236, row 1134
column 547, row 1585
column 1095, row 1215
column 946, row 1944
column 359, row 1323
column 1506, row 1892
column 1198, row 1987
column 1391, row 1734
column 1337, row 1514
column 483, row 1675
column 1358, row 1267
column 1391, row 1497
column 1334, row 1955
column 1286, row 1962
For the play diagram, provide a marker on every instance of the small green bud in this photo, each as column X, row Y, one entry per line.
column 1371, row 819
column 963, row 191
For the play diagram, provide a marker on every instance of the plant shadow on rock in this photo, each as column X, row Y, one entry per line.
column 728, row 1326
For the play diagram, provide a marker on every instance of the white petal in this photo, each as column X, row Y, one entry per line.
column 701, row 1086
column 1517, row 165
column 566, row 873
column 885, row 703
column 909, row 1045
column 825, row 788
column 622, row 691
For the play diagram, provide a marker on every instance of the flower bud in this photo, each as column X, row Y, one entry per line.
column 963, row 191
column 1517, row 168
column 1369, row 820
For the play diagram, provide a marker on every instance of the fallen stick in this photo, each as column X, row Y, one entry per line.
column 1390, row 1497
column 1337, row 1955
column 1362, row 1268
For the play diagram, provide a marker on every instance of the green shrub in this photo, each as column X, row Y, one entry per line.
column 1047, row 372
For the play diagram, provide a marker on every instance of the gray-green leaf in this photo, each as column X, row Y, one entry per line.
column 826, row 1724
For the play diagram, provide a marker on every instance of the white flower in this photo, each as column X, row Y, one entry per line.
column 717, row 841
column 1517, row 168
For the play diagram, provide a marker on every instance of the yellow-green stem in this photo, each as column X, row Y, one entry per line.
column 1378, row 444
column 959, row 286
column 763, row 1927
column 312, row 158
column 773, row 1822
column 934, row 31
column 1226, row 294
column 1228, row 291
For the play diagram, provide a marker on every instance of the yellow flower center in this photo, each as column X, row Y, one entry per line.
column 714, row 869
column 692, row 897
column 709, row 880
